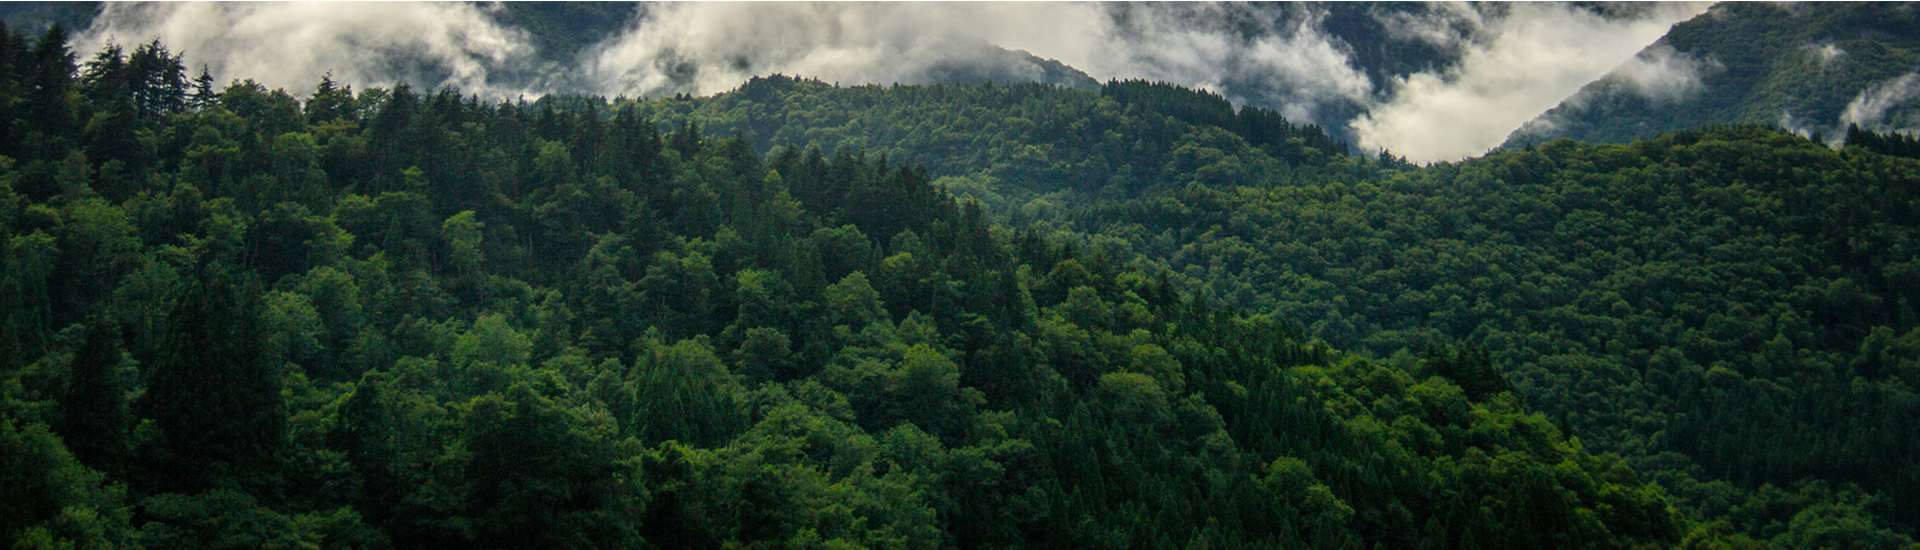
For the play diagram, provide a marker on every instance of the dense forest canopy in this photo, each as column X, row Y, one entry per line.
column 982, row 316
column 1623, row 289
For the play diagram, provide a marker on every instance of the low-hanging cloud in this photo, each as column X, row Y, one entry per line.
column 1826, row 53
column 1869, row 109
column 1288, row 62
column 706, row 48
column 290, row 45
column 1661, row 74
column 711, row 47
column 1452, row 25
column 1500, row 66
column 1533, row 57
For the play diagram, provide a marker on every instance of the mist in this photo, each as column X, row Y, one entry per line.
column 1870, row 108
column 1534, row 57
column 1504, row 65
column 706, row 48
column 291, row 45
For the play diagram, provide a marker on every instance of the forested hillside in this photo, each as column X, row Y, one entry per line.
column 1814, row 68
column 1731, row 309
column 235, row 317
column 1021, row 147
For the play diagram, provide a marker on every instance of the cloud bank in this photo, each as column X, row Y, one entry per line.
column 1503, row 64
column 1278, row 58
column 711, row 47
column 290, row 45
column 1534, row 56
column 706, row 48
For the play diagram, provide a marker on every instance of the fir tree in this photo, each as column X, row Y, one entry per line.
column 203, row 95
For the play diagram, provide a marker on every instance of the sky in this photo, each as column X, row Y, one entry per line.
column 1508, row 63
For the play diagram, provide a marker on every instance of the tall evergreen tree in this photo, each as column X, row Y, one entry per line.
column 94, row 419
column 160, row 81
column 214, row 389
column 49, row 78
column 203, row 95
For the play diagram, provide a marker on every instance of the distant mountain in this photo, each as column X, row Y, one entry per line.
column 560, row 30
column 1328, row 64
column 35, row 17
column 1808, row 67
column 997, row 64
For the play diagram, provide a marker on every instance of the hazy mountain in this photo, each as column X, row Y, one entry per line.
column 1428, row 81
column 1808, row 67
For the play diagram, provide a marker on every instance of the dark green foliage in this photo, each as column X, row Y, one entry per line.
column 561, row 29
column 94, row 417
column 1013, row 147
column 391, row 318
column 214, row 389
column 1895, row 144
column 1726, row 308
column 49, row 500
column 1719, row 306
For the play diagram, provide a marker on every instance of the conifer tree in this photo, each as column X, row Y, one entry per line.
column 94, row 418
column 214, row 389
column 203, row 95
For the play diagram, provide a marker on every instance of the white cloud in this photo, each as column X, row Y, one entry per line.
column 1515, row 60
column 1869, row 109
column 1536, row 56
column 712, row 47
column 291, row 45
column 1450, row 25
column 1826, row 53
column 1291, row 64
column 1660, row 74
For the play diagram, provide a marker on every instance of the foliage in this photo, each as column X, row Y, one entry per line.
column 390, row 318
column 1729, row 309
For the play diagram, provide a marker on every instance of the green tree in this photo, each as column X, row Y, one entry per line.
column 49, row 500
column 214, row 390
column 95, row 420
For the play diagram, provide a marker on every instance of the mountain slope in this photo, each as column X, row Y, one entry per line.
column 1704, row 304
column 234, row 318
column 1813, row 67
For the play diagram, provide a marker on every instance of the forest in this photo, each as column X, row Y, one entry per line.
column 978, row 316
column 1761, row 63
